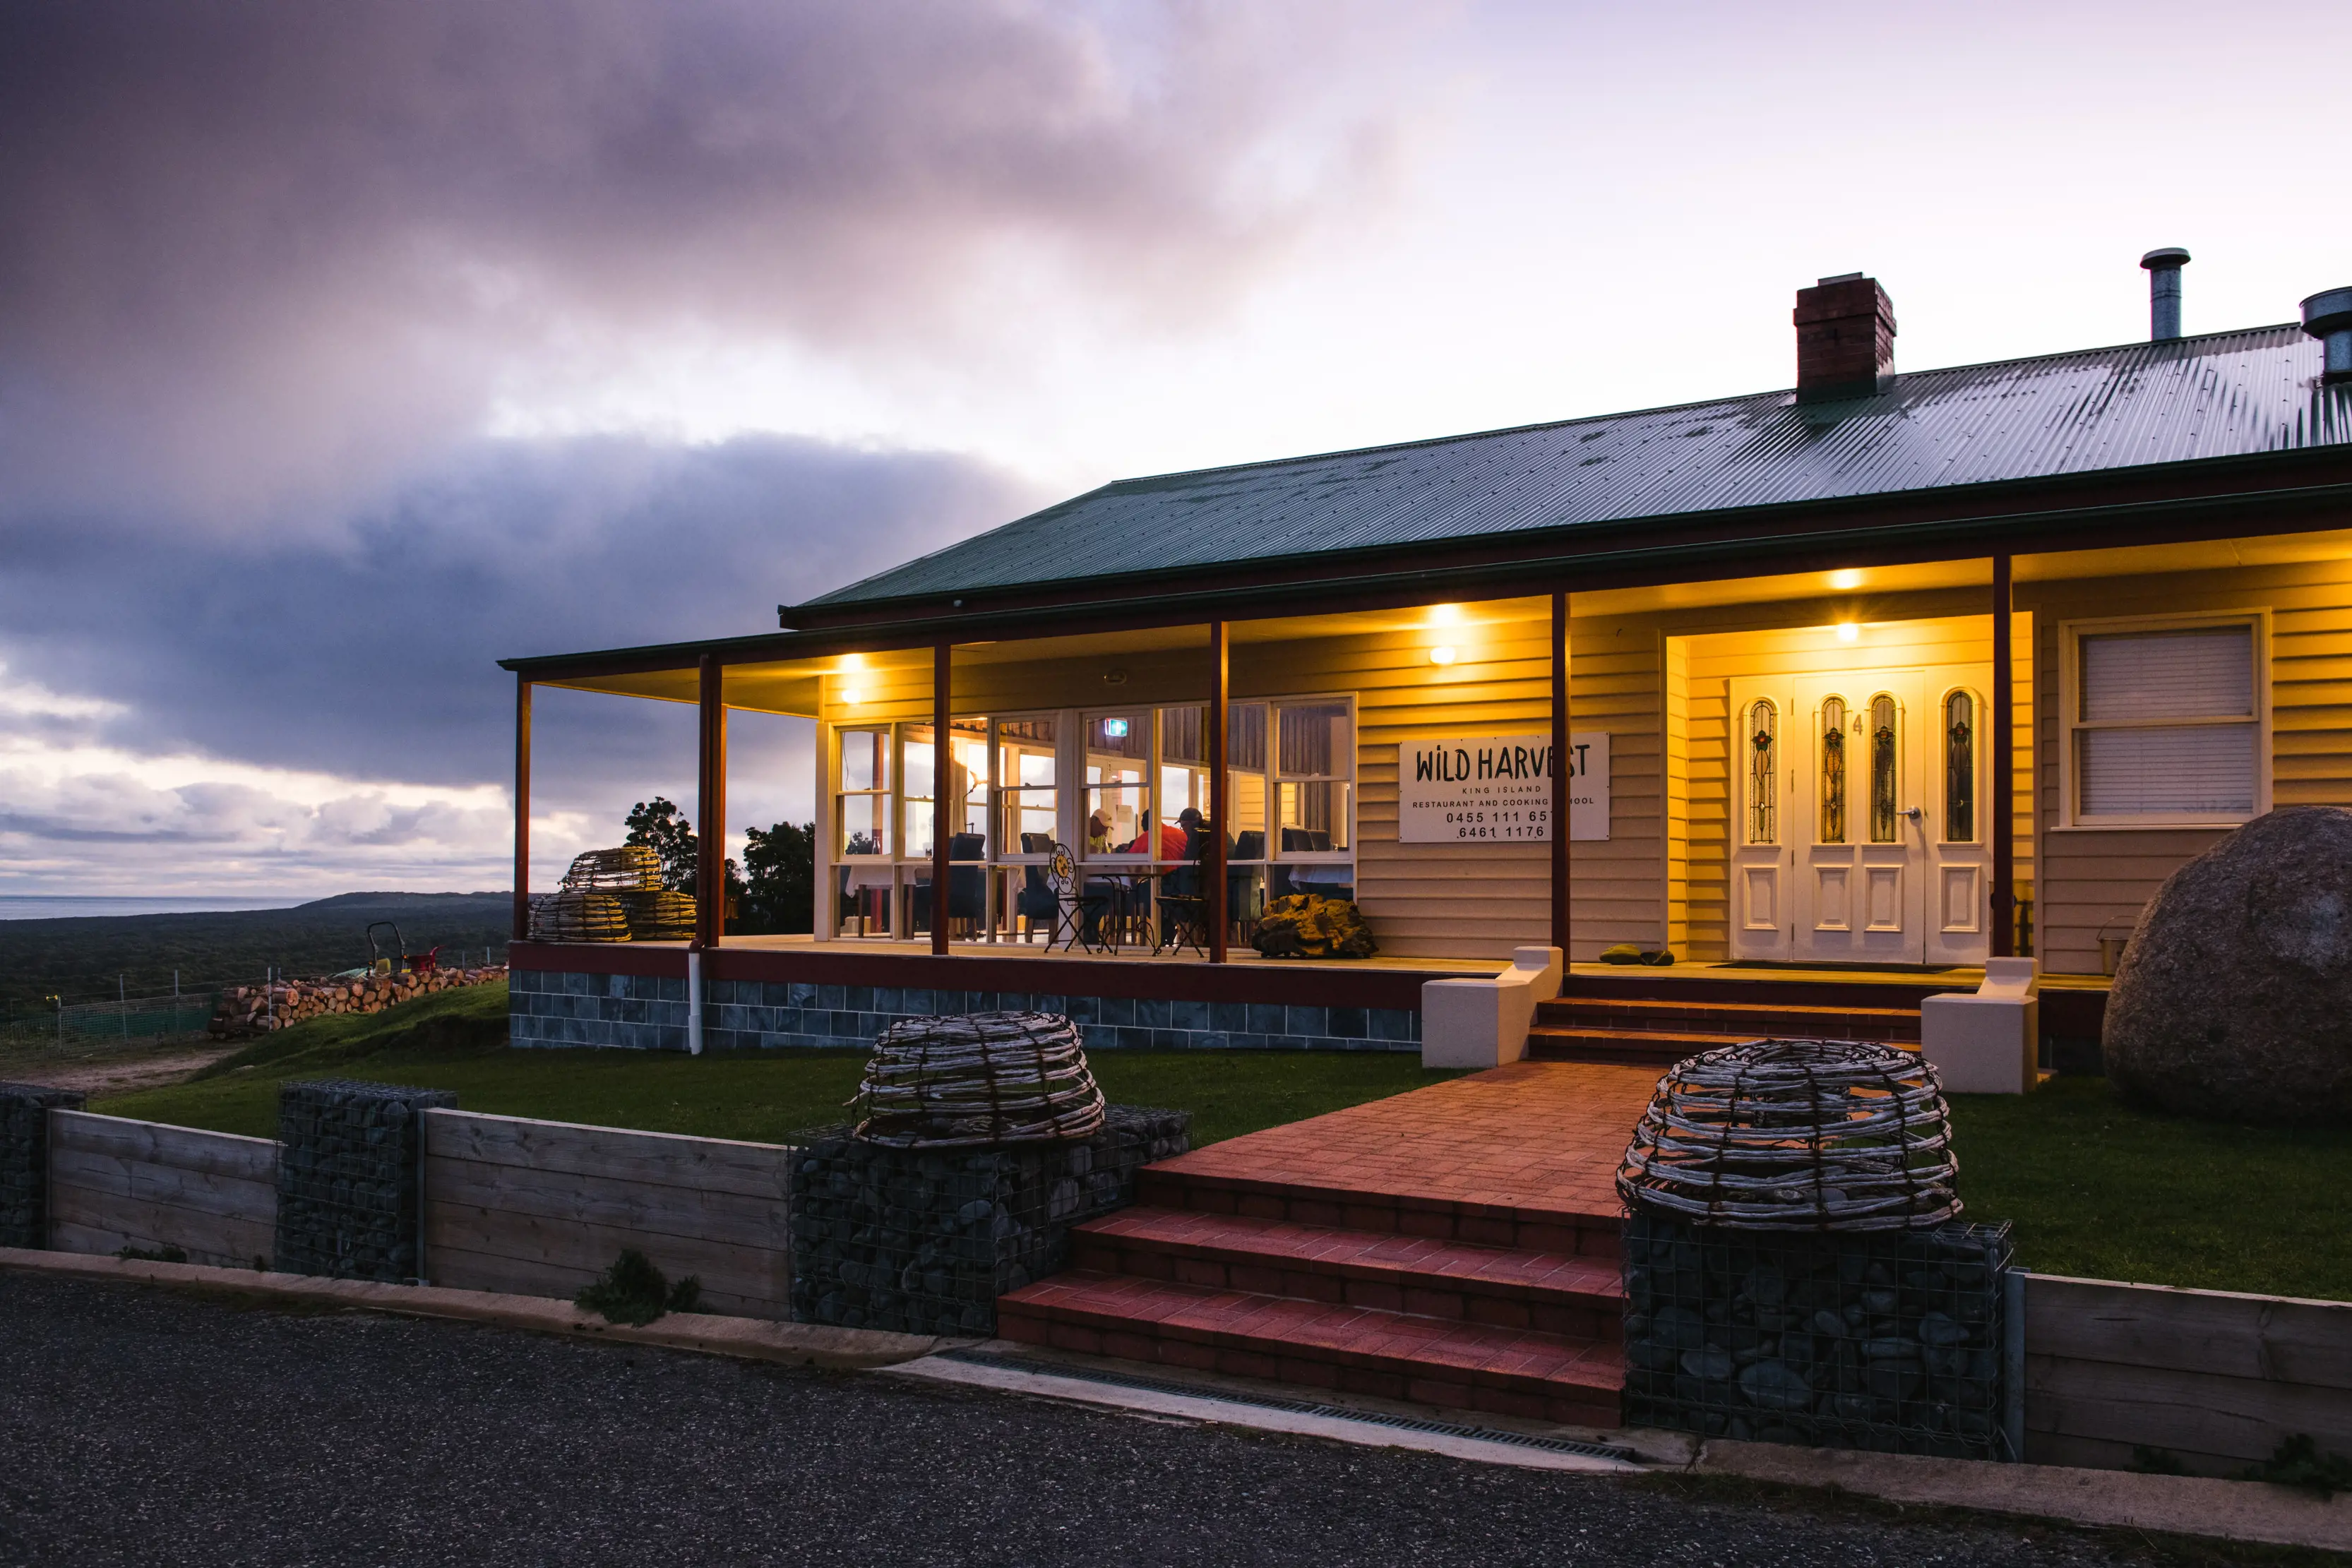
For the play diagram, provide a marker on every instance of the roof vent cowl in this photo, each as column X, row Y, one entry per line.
column 2327, row 315
column 1845, row 339
column 2164, row 264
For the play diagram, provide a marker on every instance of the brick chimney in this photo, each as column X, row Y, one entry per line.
column 1845, row 339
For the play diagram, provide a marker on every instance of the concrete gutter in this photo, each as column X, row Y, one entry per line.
column 2115, row 1500
column 756, row 1339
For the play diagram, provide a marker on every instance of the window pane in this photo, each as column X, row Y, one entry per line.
column 1116, row 818
column 1246, row 806
column 967, row 790
column 1314, row 742
column 2169, row 675
column 915, row 760
column 2194, row 770
column 1832, row 732
column 1885, row 785
column 1314, row 817
column 1119, row 735
column 865, row 759
column 1024, row 751
column 865, row 824
column 1182, row 736
column 1763, row 774
column 1245, row 736
column 1960, row 768
column 1030, row 821
column 918, row 829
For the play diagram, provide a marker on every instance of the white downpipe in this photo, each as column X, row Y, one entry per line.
column 694, row 1001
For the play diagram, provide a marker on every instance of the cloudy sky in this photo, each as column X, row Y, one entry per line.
column 346, row 348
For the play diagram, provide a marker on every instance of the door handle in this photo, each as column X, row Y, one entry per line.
column 1913, row 812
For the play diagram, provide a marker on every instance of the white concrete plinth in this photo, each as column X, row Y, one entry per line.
column 1484, row 1023
column 1986, row 1042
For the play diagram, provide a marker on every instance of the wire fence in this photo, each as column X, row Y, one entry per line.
column 90, row 1026
column 119, row 1022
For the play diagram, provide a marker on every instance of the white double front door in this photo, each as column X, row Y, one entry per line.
column 1858, row 831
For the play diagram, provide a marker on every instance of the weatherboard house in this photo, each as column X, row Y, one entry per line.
column 1860, row 685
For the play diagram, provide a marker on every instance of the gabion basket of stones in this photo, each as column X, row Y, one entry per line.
column 1794, row 1268
column 977, row 1079
column 924, row 1241
column 1888, row 1341
column 1795, row 1134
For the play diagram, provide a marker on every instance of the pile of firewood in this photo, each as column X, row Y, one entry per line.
column 257, row 1009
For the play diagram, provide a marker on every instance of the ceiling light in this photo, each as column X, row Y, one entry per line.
column 1845, row 581
column 852, row 696
column 1441, row 655
column 1848, row 631
column 1445, row 616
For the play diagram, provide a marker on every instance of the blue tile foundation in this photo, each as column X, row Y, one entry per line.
column 550, row 1008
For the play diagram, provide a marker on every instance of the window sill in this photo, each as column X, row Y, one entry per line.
column 2155, row 824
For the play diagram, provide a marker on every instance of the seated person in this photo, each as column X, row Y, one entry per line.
column 1171, row 839
column 1097, row 834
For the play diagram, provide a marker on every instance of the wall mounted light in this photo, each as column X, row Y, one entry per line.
column 852, row 696
column 1845, row 580
column 1441, row 655
column 1445, row 616
column 1848, row 631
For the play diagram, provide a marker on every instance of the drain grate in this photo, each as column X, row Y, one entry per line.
column 1295, row 1406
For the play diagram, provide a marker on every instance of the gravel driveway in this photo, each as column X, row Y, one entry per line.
column 142, row 1426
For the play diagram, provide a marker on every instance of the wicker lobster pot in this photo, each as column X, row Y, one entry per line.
column 658, row 914
column 575, row 916
column 977, row 1079
column 1795, row 1134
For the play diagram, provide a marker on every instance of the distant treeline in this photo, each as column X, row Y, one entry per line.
column 78, row 958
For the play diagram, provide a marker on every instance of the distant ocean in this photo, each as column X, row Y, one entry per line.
column 43, row 906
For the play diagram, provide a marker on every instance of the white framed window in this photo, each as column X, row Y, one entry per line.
column 1117, row 789
column 2166, row 720
column 861, row 803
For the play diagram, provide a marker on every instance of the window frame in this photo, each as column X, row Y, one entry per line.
column 2072, row 724
column 1275, row 778
column 1148, row 764
column 886, row 853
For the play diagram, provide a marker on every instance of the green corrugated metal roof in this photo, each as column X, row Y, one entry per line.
column 2222, row 395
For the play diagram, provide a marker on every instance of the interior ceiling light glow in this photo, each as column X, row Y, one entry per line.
column 1846, row 581
column 852, row 696
column 1445, row 616
column 1441, row 655
column 1848, row 631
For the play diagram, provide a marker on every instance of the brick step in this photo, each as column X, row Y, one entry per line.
column 1636, row 1048
column 1749, row 1020
column 1500, row 1286
column 1448, row 1363
column 1641, row 1048
column 1558, row 1232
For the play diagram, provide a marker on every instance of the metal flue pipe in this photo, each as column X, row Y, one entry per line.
column 2164, row 264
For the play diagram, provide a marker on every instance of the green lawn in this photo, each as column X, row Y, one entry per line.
column 455, row 1041
column 2094, row 1187
column 2108, row 1191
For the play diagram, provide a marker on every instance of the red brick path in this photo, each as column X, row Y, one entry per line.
column 1455, row 1247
